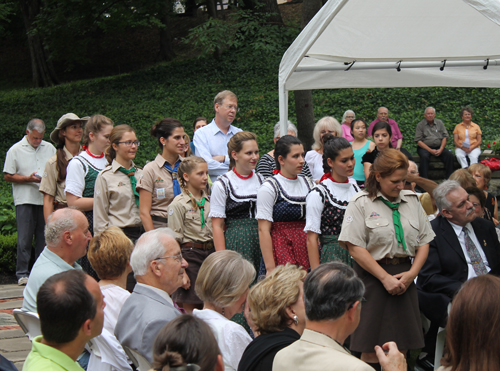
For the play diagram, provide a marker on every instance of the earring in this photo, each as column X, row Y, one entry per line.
column 296, row 319
column 222, row 310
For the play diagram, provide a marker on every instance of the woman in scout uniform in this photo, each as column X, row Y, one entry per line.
column 67, row 136
column 159, row 184
column 188, row 218
column 281, row 208
column 116, row 201
column 327, row 202
column 384, row 227
column 83, row 170
column 234, row 200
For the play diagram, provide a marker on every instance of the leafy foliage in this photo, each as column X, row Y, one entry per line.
column 7, row 215
column 8, row 253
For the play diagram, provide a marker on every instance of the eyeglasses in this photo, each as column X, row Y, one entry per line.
column 349, row 117
column 230, row 108
column 475, row 204
column 177, row 257
column 362, row 300
column 130, row 143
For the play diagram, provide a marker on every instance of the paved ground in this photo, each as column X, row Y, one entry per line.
column 14, row 345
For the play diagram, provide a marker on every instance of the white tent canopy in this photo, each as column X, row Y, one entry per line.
column 394, row 43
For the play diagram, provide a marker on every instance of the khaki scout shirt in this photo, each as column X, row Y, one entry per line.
column 368, row 223
column 114, row 201
column 159, row 182
column 49, row 184
column 185, row 221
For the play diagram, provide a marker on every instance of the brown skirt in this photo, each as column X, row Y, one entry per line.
column 386, row 317
column 195, row 258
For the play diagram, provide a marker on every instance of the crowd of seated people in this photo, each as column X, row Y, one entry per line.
column 265, row 257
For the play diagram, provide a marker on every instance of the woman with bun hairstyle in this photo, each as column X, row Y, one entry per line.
column 281, row 208
column 234, row 200
column 67, row 136
column 184, row 343
column 82, row 172
column 116, row 201
column 327, row 202
column 159, row 184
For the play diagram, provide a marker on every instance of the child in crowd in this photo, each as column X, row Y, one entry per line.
column 382, row 135
column 188, row 218
column 360, row 146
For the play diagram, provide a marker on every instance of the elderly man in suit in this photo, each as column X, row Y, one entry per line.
column 464, row 247
column 333, row 295
column 158, row 267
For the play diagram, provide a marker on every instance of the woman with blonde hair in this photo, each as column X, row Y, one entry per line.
column 314, row 158
column 222, row 284
column 234, row 200
column 159, row 184
column 188, row 218
column 482, row 175
column 463, row 177
column 279, row 319
column 472, row 341
column 67, row 137
column 467, row 139
column 385, row 227
column 83, row 169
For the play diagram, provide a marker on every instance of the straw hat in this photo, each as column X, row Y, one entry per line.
column 64, row 121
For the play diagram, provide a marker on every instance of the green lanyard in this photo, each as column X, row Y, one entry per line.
column 133, row 181
column 201, row 205
column 396, row 218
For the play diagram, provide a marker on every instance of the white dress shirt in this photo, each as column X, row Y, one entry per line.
column 461, row 238
column 211, row 141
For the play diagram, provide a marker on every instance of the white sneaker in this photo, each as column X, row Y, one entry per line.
column 22, row 281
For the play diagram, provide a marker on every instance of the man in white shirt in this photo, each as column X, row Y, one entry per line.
column 158, row 267
column 23, row 167
column 211, row 141
column 464, row 247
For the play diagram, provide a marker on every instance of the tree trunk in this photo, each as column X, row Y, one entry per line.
column 303, row 98
column 166, row 50
column 271, row 7
column 41, row 67
column 305, row 116
column 212, row 8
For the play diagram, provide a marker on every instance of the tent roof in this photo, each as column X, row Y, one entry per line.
column 380, row 35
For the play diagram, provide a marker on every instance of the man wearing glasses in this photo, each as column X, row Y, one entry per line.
column 158, row 267
column 211, row 141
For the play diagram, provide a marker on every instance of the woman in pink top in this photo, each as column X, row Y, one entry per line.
column 346, row 124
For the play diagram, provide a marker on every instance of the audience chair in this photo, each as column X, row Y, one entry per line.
column 29, row 322
column 106, row 354
column 138, row 359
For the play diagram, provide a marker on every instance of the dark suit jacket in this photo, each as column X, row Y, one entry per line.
column 445, row 269
column 142, row 316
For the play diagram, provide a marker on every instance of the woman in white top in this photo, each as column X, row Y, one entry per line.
column 327, row 202
column 83, row 169
column 222, row 283
column 314, row 158
column 109, row 254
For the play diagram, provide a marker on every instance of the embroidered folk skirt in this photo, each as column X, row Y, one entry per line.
column 290, row 243
column 242, row 236
column 386, row 317
column 331, row 250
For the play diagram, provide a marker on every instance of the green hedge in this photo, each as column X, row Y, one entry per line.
column 185, row 90
column 8, row 253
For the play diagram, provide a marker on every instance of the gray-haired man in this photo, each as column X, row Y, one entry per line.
column 23, row 168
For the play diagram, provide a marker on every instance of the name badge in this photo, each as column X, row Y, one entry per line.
column 160, row 193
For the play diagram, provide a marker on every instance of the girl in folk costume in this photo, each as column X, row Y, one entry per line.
column 82, row 172
column 327, row 202
column 159, row 184
column 234, row 200
column 188, row 218
column 281, row 208
column 67, row 136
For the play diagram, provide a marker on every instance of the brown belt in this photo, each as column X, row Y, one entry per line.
column 159, row 219
column 59, row 205
column 198, row 245
column 394, row 261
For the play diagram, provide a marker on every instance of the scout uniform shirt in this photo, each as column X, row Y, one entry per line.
column 114, row 200
column 49, row 184
column 185, row 221
column 368, row 223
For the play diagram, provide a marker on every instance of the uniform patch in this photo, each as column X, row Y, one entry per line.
column 170, row 212
column 98, row 192
column 158, row 180
column 348, row 219
column 374, row 215
column 120, row 184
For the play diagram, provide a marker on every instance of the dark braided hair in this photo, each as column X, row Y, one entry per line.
column 331, row 149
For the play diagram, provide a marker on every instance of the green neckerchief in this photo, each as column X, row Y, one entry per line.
column 396, row 218
column 201, row 205
column 133, row 181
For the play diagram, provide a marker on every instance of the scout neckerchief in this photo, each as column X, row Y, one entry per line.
column 396, row 218
column 133, row 181
column 173, row 172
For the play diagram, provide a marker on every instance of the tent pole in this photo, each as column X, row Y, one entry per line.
column 283, row 105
